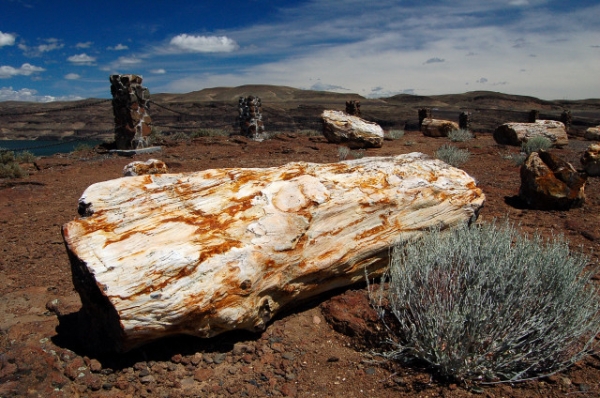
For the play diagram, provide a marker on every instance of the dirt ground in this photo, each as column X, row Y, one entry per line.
column 302, row 353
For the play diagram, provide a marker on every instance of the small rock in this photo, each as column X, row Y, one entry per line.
column 289, row 356
column 176, row 358
column 95, row 366
column 203, row 374
column 207, row 358
column 370, row 371
column 197, row 358
column 289, row 390
column 219, row 358
column 144, row 372
column 316, row 320
column 247, row 358
column 333, row 359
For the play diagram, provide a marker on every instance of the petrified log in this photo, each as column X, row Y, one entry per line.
column 437, row 127
column 206, row 252
column 150, row 166
column 550, row 183
column 341, row 128
column 592, row 134
column 518, row 133
column 590, row 160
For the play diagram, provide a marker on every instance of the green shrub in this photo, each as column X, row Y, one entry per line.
column 452, row 155
column 359, row 154
column 179, row 136
column 460, row 135
column 25, row 157
column 536, row 144
column 486, row 303
column 9, row 166
column 343, row 152
column 206, row 132
column 395, row 134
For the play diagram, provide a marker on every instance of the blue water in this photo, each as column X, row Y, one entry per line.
column 45, row 148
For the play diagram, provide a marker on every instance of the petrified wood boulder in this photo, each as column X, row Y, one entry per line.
column 437, row 127
column 518, row 133
column 206, row 252
column 341, row 128
column 550, row 183
column 592, row 134
column 150, row 166
column 591, row 160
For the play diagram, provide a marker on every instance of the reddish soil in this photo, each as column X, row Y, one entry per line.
column 323, row 348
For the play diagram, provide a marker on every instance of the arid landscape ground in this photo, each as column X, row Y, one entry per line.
column 322, row 348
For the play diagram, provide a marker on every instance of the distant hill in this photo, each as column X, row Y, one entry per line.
column 284, row 109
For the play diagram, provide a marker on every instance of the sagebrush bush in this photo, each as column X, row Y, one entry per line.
column 9, row 166
column 452, row 155
column 535, row 144
column 486, row 303
column 396, row 134
column 343, row 152
column 207, row 132
column 460, row 135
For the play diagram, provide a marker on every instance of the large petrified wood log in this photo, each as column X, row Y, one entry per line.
column 518, row 133
column 353, row 131
column 437, row 127
column 205, row 252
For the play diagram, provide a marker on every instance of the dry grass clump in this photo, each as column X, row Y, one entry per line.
column 452, row 155
column 460, row 135
column 488, row 304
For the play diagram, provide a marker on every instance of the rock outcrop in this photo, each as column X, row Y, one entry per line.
column 206, row 252
column 550, row 183
column 130, row 102
column 341, row 128
column 518, row 133
column 591, row 160
column 150, row 166
column 437, row 127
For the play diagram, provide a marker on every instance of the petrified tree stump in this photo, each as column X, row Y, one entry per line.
column 424, row 113
column 206, row 252
column 353, row 108
column 130, row 102
column 251, row 124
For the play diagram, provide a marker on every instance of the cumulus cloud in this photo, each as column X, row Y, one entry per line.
column 31, row 95
column 435, row 60
column 25, row 70
column 327, row 87
column 37, row 51
column 86, row 44
column 202, row 44
column 160, row 71
column 118, row 47
column 482, row 80
column 82, row 59
column 72, row 76
column 6, row 39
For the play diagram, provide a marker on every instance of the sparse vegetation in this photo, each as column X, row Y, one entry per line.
column 395, row 134
column 460, row 135
column 488, row 304
column 452, row 155
column 310, row 133
column 156, row 136
column 25, row 157
column 81, row 147
column 535, row 144
column 9, row 165
column 343, row 152
column 180, row 136
column 359, row 154
column 409, row 143
column 207, row 132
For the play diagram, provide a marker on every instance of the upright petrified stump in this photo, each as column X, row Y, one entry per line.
column 206, row 252
column 251, row 124
column 424, row 113
column 590, row 160
column 464, row 121
column 353, row 108
column 130, row 102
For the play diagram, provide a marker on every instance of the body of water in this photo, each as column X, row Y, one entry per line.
column 45, row 148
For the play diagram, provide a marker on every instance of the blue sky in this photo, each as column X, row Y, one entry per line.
column 56, row 50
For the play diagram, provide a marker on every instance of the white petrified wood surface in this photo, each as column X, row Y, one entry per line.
column 342, row 128
column 518, row 133
column 205, row 252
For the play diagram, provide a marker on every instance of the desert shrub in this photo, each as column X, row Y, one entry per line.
column 207, row 132
column 535, row 144
column 359, row 154
column 343, row 152
column 25, row 157
column 9, row 166
column 486, row 303
column 452, row 155
column 396, row 134
column 409, row 143
column 156, row 136
column 81, row 147
column 460, row 135
column 179, row 136
column 310, row 133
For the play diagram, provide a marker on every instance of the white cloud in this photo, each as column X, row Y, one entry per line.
column 72, row 76
column 52, row 44
column 482, row 80
column 86, row 44
column 6, row 39
column 158, row 71
column 82, row 59
column 327, row 87
column 118, row 47
column 31, row 95
column 519, row 3
column 435, row 60
column 25, row 70
column 202, row 44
